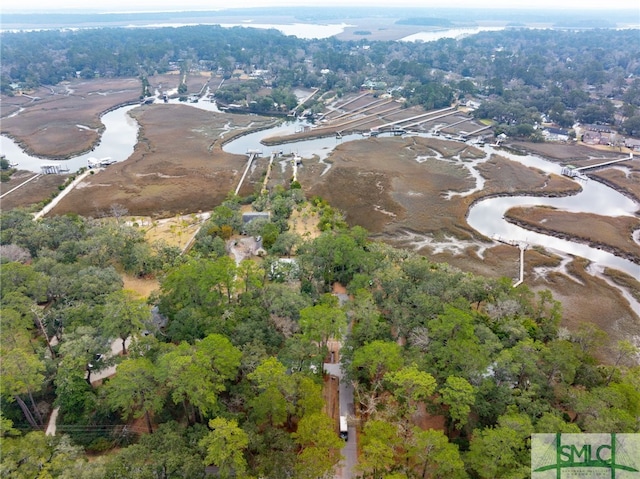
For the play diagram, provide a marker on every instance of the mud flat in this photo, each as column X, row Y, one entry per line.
column 31, row 193
column 612, row 234
column 178, row 166
column 63, row 121
column 625, row 178
column 398, row 189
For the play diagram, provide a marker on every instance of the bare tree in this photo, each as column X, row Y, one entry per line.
column 118, row 212
column 13, row 252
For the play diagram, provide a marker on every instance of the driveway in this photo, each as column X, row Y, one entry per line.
column 345, row 469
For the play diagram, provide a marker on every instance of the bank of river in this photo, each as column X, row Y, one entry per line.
column 117, row 142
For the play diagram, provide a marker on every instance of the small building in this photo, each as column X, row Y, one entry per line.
column 598, row 128
column 591, row 137
column 632, row 143
column 555, row 134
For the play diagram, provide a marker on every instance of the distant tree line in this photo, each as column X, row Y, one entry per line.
column 558, row 75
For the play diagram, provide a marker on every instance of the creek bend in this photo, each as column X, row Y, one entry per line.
column 486, row 216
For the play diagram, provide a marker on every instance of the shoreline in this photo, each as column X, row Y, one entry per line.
column 634, row 258
column 30, row 152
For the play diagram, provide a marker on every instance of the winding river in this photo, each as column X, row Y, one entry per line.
column 486, row 216
column 117, row 141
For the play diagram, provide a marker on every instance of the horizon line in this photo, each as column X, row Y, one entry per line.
column 72, row 10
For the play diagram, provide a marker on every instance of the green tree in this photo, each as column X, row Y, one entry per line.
column 371, row 362
column 272, row 452
column 135, row 391
column 22, row 373
column 322, row 322
column 332, row 256
column 250, row 276
column 171, row 452
column 552, row 423
column 83, row 351
column 502, row 451
column 225, row 446
column 124, row 315
column 320, row 446
column 409, row 384
column 273, row 403
column 367, row 321
column 284, row 244
column 24, row 279
column 561, row 361
column 608, row 408
column 459, row 396
column 198, row 374
column 454, row 348
column 35, row 455
column 431, row 455
column 380, row 443
column 199, row 289
column 284, row 305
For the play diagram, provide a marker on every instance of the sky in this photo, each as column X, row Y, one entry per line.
column 172, row 5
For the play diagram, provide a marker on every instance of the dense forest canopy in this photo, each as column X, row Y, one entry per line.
column 521, row 75
column 226, row 369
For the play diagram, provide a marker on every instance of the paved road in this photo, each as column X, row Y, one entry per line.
column 345, row 469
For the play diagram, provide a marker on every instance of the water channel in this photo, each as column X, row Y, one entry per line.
column 486, row 216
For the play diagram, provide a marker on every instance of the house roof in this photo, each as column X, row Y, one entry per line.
column 557, row 131
column 600, row 128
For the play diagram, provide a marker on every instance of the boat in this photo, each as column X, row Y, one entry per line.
column 107, row 162
column 96, row 163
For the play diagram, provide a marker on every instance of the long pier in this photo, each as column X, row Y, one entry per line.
column 48, row 207
column 576, row 172
column 522, row 246
column 351, row 116
column 252, row 154
column 605, row 163
column 454, row 124
column 20, row 185
column 266, row 177
column 338, row 107
column 474, row 132
column 303, row 101
column 448, row 111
